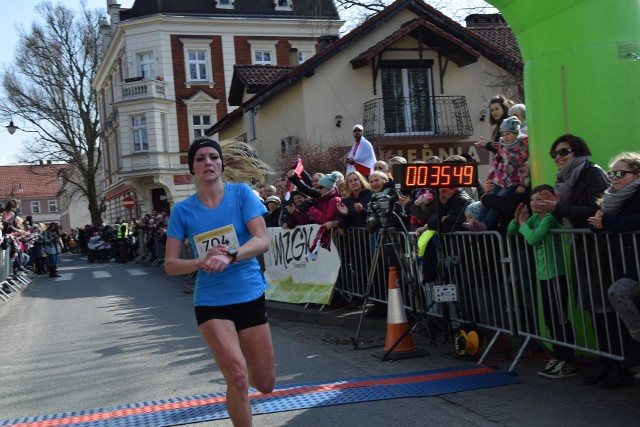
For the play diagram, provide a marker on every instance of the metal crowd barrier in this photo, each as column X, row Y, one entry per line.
column 5, row 264
column 356, row 249
column 593, row 262
column 5, row 271
column 498, row 285
column 478, row 264
column 11, row 283
column 145, row 254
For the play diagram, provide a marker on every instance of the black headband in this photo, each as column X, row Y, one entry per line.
column 198, row 144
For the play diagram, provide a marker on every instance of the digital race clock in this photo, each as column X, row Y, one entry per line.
column 408, row 176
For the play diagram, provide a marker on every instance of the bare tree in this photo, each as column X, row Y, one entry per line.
column 49, row 88
column 357, row 11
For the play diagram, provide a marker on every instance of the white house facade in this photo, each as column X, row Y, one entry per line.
column 165, row 77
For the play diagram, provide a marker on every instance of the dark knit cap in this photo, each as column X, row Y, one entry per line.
column 198, row 144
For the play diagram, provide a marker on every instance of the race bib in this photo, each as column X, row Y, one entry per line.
column 220, row 236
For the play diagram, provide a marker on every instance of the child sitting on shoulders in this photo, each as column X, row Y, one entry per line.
column 509, row 172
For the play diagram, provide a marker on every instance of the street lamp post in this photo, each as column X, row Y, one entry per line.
column 11, row 128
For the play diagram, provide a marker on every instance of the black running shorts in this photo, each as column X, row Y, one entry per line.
column 243, row 315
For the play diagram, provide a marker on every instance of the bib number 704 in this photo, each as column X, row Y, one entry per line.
column 214, row 241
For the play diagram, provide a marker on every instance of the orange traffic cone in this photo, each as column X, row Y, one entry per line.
column 399, row 343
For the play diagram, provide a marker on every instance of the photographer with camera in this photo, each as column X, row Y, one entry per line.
column 382, row 204
column 383, row 213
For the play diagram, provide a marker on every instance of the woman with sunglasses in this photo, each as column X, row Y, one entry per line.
column 620, row 213
column 580, row 183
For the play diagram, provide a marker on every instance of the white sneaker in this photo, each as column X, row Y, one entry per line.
column 562, row 370
column 551, row 365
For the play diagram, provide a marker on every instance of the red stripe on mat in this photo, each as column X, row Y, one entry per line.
column 277, row 393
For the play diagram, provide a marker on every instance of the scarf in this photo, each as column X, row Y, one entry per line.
column 322, row 240
column 515, row 142
column 613, row 199
column 567, row 177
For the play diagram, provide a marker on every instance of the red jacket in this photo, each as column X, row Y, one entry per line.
column 327, row 209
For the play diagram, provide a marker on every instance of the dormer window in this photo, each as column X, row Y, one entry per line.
column 224, row 4
column 263, row 52
column 283, row 5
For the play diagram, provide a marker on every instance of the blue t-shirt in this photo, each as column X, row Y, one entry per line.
column 226, row 224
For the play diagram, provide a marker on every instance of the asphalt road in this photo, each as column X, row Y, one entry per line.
column 109, row 334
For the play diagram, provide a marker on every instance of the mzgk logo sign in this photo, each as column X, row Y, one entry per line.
column 291, row 275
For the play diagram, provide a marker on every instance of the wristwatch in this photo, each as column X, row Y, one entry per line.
column 233, row 252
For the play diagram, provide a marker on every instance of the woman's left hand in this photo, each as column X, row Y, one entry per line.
column 596, row 220
column 216, row 259
column 547, row 204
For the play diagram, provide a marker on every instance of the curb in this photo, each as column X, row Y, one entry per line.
column 342, row 317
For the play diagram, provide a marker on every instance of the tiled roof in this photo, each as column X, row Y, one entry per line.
column 493, row 27
column 260, row 75
column 252, row 79
column 502, row 37
column 29, row 181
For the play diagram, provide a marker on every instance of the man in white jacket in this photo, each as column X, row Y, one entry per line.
column 361, row 157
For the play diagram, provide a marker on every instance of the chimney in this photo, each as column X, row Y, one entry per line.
column 105, row 33
column 48, row 162
column 293, row 57
column 485, row 20
column 325, row 41
column 113, row 9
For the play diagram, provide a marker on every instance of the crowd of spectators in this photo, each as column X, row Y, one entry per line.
column 36, row 246
column 504, row 202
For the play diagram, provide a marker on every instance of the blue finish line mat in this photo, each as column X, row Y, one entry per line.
column 208, row 407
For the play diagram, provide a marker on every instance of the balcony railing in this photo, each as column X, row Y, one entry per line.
column 142, row 89
column 432, row 116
